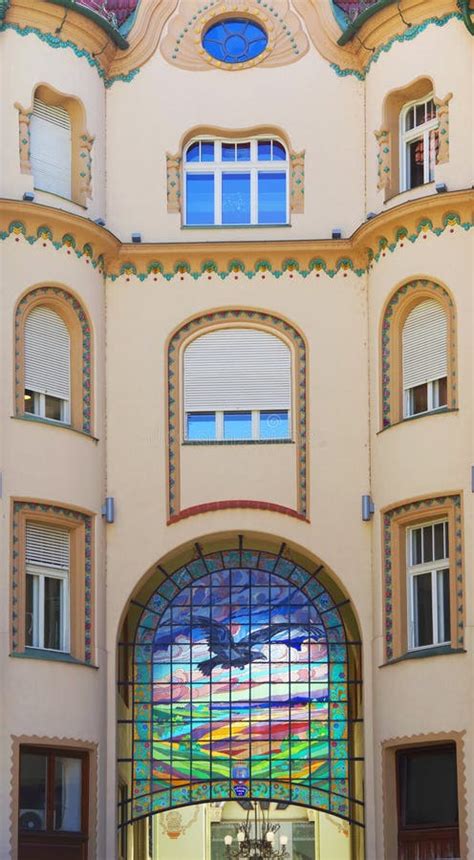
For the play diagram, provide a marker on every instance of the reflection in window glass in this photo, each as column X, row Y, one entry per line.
column 33, row 788
column 236, row 198
column 237, row 426
column 271, row 198
column 274, row 424
column 200, row 198
column 67, row 794
column 201, row 426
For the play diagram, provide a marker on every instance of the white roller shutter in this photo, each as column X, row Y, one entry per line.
column 50, row 148
column 47, row 546
column 47, row 354
column 237, row 369
column 424, row 342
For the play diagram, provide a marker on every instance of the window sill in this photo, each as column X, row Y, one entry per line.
column 238, row 442
column 422, row 653
column 232, row 226
column 59, row 197
column 52, row 656
column 409, row 194
column 36, row 419
column 445, row 410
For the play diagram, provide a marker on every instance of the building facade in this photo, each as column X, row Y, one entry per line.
column 236, row 427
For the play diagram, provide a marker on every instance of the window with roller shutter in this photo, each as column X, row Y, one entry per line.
column 47, row 587
column 47, row 357
column 51, row 149
column 237, row 387
column 424, row 358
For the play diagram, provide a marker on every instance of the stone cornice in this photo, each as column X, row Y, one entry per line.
column 385, row 233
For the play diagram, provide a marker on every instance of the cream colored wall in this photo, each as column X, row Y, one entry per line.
column 151, row 116
column 445, row 55
column 42, row 462
column 26, row 62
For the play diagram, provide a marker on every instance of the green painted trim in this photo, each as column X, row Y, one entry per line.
column 53, row 656
column 465, row 8
column 352, row 29
column 56, row 42
column 423, row 653
column 109, row 28
column 409, row 34
column 4, row 4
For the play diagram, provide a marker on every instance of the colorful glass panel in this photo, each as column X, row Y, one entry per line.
column 241, row 688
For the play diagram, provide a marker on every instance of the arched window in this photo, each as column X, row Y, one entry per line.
column 51, row 148
column 424, row 356
column 236, row 182
column 419, row 140
column 237, row 386
column 47, row 365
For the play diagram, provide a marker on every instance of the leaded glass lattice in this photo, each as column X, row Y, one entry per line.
column 241, row 689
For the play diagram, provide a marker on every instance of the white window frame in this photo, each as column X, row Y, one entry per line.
column 432, row 398
column 255, row 418
column 414, row 570
column 39, row 574
column 253, row 166
column 419, row 132
column 39, row 407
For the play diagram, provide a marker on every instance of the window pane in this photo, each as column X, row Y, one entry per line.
column 429, row 788
column 237, row 426
column 53, row 592
column 228, row 152
column 416, row 159
column 53, row 407
column 279, row 151
column 236, row 198
column 443, row 391
column 409, row 120
column 420, row 114
column 31, row 610
column 29, row 402
column 200, row 198
column 272, row 198
column 201, row 426
column 193, row 152
column 67, row 793
column 423, row 610
column 243, row 152
column 416, row 554
column 430, row 110
column 418, row 399
column 33, row 783
column 428, row 543
column 439, row 540
column 264, row 150
column 207, row 150
column 444, row 631
column 274, row 425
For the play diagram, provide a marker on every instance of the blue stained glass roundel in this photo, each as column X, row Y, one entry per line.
column 235, row 40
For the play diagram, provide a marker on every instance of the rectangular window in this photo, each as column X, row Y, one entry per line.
column 53, row 800
column 238, row 426
column 427, row 802
column 47, row 588
column 419, row 144
column 272, row 198
column 236, row 198
column 200, row 198
column 428, row 585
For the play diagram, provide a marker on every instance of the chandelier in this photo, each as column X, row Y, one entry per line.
column 257, row 837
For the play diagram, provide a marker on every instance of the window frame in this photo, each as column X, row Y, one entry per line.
column 255, row 420
column 49, row 833
column 432, row 398
column 420, row 132
column 217, row 167
column 40, row 573
column 434, row 567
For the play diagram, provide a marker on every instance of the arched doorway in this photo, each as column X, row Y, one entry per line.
column 245, row 684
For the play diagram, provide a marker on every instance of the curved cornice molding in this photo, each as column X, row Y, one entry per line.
column 372, row 241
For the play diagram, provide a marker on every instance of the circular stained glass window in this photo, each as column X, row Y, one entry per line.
column 235, row 40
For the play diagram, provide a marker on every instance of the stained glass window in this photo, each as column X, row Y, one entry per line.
column 235, row 40
column 241, row 688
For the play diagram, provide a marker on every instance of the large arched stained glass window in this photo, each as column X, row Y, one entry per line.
column 242, row 683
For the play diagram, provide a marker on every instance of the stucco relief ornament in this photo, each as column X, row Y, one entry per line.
column 172, row 824
column 183, row 43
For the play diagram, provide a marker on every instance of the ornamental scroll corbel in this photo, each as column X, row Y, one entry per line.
column 24, row 116
column 442, row 107
column 173, row 182
column 384, row 172
column 85, row 154
column 297, row 181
